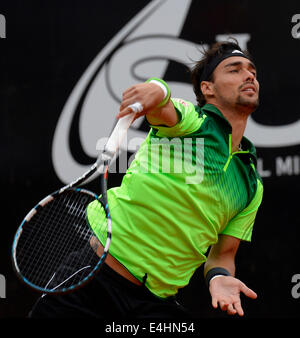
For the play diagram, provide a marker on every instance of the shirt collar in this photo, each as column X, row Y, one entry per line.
column 246, row 143
column 210, row 108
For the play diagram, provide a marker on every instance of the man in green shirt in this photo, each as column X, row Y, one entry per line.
column 219, row 211
column 192, row 186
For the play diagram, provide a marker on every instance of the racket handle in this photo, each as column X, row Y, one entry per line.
column 117, row 136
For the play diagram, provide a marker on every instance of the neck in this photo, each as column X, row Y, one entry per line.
column 238, row 120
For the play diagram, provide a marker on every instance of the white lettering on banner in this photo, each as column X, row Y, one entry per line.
column 287, row 166
column 296, row 29
column 2, row 27
column 260, row 168
column 2, row 287
column 296, row 288
column 283, row 166
column 144, row 52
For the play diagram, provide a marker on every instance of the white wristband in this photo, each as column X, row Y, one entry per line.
column 161, row 86
column 216, row 277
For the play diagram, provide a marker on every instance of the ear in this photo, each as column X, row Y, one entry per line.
column 207, row 88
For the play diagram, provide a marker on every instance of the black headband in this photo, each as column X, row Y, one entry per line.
column 209, row 68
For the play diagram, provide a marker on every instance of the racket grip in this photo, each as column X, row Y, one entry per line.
column 117, row 136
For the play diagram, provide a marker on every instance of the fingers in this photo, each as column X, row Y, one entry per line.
column 127, row 107
column 230, row 308
column 127, row 102
column 214, row 302
column 248, row 292
column 128, row 110
column 234, row 307
column 125, row 111
column 239, row 308
column 130, row 96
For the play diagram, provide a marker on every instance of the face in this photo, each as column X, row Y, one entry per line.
column 235, row 84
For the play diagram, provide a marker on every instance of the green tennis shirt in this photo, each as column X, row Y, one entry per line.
column 184, row 187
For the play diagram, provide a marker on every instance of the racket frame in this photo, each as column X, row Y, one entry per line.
column 104, row 158
column 33, row 212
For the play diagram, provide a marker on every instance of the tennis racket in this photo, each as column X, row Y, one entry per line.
column 51, row 250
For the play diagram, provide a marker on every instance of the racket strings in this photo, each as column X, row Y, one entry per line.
column 29, row 267
column 29, row 252
column 74, row 212
column 58, row 229
column 58, row 246
column 29, row 237
column 42, row 224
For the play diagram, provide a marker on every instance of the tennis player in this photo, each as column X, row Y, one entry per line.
column 189, row 198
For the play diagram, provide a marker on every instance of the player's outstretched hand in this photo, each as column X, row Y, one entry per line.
column 225, row 292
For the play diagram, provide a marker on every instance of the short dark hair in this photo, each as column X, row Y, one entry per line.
column 218, row 48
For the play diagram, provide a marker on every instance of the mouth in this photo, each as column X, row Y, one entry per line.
column 249, row 89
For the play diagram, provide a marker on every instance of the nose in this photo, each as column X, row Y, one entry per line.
column 249, row 76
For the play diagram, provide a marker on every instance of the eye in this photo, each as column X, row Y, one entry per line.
column 233, row 71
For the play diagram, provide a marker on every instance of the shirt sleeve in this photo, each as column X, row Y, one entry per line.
column 241, row 226
column 189, row 120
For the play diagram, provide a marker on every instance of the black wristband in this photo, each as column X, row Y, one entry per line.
column 214, row 272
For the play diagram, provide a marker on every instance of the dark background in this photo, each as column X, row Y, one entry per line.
column 48, row 47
